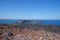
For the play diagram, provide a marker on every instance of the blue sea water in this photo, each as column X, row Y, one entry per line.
column 7, row 21
column 46, row 22
column 53, row 22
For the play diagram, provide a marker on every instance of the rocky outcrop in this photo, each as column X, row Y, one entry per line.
column 42, row 32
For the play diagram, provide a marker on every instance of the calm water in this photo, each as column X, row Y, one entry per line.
column 46, row 22
column 7, row 21
column 54, row 22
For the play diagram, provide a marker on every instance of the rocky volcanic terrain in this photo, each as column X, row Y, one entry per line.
column 29, row 32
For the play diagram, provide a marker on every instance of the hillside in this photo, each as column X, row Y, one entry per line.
column 23, row 31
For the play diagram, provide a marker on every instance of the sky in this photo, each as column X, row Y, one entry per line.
column 30, row 9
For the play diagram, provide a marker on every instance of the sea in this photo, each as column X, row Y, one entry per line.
column 45, row 22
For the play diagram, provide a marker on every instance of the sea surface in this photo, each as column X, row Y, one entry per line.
column 45, row 22
column 7, row 21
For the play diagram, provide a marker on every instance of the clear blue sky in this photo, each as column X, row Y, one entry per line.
column 29, row 9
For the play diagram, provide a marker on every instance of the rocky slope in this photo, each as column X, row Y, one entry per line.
column 29, row 32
